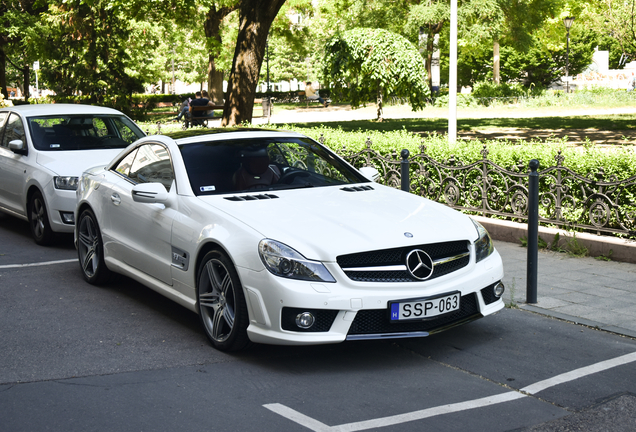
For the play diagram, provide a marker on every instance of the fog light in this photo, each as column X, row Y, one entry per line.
column 305, row 320
column 68, row 218
column 498, row 289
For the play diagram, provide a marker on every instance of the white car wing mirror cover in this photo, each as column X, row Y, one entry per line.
column 150, row 193
column 283, row 261
column 16, row 145
column 483, row 244
column 370, row 172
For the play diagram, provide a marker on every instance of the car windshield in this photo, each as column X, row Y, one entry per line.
column 82, row 132
column 263, row 164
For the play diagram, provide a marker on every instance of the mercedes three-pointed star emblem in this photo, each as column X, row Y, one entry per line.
column 419, row 264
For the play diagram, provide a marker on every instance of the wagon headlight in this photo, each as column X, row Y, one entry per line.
column 66, row 183
column 284, row 261
column 483, row 244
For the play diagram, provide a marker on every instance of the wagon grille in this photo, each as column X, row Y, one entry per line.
column 389, row 265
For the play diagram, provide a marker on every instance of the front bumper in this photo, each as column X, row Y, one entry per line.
column 360, row 308
column 60, row 205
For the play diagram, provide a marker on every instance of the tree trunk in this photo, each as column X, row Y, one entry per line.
column 379, row 103
column 212, row 26
column 3, row 74
column 433, row 29
column 495, row 65
column 255, row 19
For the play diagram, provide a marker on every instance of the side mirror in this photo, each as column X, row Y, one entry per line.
column 150, row 193
column 16, row 146
column 370, row 172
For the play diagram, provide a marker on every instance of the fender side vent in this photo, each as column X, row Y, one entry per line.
column 357, row 188
column 251, row 197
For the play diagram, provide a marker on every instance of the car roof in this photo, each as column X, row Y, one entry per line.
column 238, row 133
column 59, row 109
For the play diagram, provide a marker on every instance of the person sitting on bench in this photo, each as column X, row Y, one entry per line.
column 312, row 94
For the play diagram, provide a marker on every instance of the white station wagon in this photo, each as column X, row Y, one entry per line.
column 43, row 150
column 272, row 238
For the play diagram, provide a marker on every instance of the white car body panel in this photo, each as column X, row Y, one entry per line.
column 321, row 223
column 20, row 174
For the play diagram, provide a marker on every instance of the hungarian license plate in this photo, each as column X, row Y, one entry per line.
column 405, row 310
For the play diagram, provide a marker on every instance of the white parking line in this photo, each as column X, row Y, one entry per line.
column 317, row 426
column 38, row 264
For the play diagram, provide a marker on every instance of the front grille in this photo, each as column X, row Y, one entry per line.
column 376, row 321
column 324, row 319
column 368, row 265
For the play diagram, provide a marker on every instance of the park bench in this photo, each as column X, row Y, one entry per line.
column 302, row 96
column 190, row 120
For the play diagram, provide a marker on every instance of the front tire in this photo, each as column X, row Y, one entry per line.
column 221, row 303
column 90, row 250
column 39, row 220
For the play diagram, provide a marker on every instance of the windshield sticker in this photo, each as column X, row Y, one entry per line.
column 207, row 188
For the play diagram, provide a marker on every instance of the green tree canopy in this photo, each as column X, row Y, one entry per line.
column 366, row 63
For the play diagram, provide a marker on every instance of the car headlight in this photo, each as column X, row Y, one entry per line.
column 483, row 244
column 283, row 261
column 66, row 183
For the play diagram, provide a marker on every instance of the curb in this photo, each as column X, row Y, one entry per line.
column 579, row 320
column 615, row 248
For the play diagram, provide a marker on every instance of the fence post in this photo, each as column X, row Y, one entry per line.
column 404, row 172
column 533, row 232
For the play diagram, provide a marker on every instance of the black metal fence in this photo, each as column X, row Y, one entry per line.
column 567, row 199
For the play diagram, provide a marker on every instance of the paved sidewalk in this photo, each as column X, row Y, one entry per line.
column 583, row 290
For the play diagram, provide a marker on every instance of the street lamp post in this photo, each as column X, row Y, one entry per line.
column 568, row 23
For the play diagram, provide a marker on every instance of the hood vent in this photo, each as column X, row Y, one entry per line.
column 357, row 188
column 251, row 197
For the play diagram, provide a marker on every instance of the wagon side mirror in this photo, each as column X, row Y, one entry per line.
column 17, row 146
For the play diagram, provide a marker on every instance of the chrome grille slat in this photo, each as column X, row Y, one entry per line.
column 389, row 265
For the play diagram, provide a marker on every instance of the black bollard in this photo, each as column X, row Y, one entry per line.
column 533, row 232
column 404, row 171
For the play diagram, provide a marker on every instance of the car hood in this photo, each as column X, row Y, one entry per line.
column 73, row 163
column 322, row 223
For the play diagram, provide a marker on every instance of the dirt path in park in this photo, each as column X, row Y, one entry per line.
column 574, row 136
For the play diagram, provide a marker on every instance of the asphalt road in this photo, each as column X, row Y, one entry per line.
column 74, row 357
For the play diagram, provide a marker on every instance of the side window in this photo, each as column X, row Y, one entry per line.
column 125, row 131
column 123, row 167
column 99, row 127
column 14, row 130
column 152, row 164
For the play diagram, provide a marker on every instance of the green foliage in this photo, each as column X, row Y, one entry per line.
column 367, row 63
column 488, row 89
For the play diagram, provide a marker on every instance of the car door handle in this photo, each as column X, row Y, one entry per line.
column 115, row 198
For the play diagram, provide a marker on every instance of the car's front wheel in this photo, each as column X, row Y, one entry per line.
column 221, row 303
column 90, row 250
column 39, row 220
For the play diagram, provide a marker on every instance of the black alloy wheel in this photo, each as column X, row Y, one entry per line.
column 39, row 220
column 221, row 303
column 90, row 250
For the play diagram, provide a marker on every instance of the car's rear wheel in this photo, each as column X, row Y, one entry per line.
column 90, row 250
column 221, row 303
column 39, row 220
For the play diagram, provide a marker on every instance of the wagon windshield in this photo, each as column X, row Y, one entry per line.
column 82, row 132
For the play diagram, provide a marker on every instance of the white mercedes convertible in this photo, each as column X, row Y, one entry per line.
column 272, row 238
